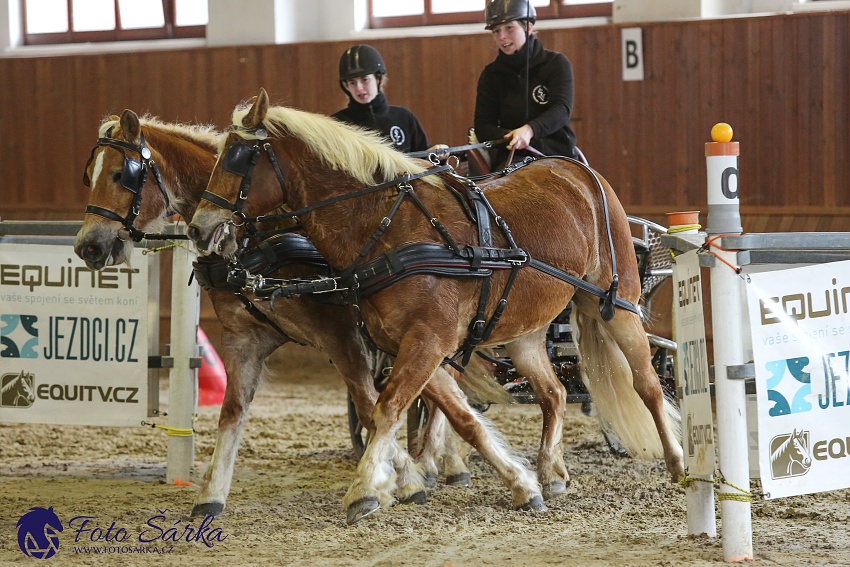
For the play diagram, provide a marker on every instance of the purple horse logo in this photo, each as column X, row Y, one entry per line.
column 790, row 454
column 38, row 533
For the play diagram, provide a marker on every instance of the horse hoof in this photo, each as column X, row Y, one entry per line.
column 207, row 509
column 459, row 479
column 418, row 497
column 555, row 488
column 534, row 505
column 359, row 509
column 430, row 481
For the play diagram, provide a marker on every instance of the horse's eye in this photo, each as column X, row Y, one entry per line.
column 116, row 177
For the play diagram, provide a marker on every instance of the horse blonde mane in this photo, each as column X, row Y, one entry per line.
column 340, row 146
column 203, row 134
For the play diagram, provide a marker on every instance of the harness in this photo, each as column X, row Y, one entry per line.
column 362, row 279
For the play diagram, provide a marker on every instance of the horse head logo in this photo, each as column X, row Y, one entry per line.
column 38, row 533
column 790, row 454
column 17, row 390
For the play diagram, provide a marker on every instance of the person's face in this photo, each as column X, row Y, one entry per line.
column 362, row 89
column 509, row 37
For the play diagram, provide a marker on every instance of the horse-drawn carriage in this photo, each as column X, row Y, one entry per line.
column 279, row 156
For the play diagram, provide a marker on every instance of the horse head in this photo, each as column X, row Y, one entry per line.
column 25, row 389
column 799, row 449
column 140, row 171
column 281, row 157
column 224, row 205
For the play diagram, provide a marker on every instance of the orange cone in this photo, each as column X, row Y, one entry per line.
column 212, row 379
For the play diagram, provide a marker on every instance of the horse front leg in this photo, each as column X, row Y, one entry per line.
column 479, row 433
column 529, row 356
column 419, row 355
column 243, row 357
column 362, row 367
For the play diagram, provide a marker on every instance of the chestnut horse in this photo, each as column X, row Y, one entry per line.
column 318, row 167
column 184, row 157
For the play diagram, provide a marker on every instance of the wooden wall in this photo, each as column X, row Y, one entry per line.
column 782, row 82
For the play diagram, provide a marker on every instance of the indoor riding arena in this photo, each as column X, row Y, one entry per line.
column 272, row 292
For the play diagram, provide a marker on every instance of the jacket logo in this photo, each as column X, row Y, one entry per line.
column 540, row 94
column 397, row 135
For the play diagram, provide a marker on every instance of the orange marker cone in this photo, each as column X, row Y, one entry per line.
column 212, row 379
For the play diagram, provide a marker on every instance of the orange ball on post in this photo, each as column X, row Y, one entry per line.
column 721, row 132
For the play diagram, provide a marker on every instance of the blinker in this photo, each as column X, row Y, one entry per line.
column 239, row 159
column 133, row 175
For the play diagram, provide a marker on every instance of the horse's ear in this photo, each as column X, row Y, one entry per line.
column 258, row 110
column 130, row 126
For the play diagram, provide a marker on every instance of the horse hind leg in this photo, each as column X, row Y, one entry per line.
column 438, row 443
column 529, row 356
column 617, row 364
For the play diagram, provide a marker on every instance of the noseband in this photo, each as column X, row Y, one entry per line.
column 134, row 174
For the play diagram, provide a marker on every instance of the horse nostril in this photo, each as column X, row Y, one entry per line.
column 193, row 233
column 91, row 252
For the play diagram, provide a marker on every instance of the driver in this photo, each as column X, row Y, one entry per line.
column 525, row 95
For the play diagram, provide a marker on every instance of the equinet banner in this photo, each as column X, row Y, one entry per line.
column 800, row 324
column 73, row 341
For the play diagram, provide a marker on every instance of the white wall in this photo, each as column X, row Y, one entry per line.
column 657, row 10
column 235, row 22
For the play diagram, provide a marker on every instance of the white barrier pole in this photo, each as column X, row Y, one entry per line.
column 727, row 306
column 183, row 381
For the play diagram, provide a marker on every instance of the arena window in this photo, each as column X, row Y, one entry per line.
column 81, row 21
column 409, row 13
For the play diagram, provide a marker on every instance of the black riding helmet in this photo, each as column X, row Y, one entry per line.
column 500, row 12
column 361, row 60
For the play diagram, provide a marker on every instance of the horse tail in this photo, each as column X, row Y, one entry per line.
column 479, row 384
column 610, row 382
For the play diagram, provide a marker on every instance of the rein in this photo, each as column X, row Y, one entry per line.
column 134, row 175
column 456, row 149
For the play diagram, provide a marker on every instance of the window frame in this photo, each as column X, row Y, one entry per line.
column 168, row 31
column 555, row 10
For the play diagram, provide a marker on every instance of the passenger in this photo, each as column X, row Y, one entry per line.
column 362, row 76
column 526, row 94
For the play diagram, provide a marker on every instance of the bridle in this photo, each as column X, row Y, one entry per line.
column 134, row 175
column 240, row 158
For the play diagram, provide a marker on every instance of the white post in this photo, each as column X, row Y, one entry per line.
column 183, row 381
column 727, row 306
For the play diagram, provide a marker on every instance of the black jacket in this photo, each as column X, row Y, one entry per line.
column 396, row 123
column 500, row 104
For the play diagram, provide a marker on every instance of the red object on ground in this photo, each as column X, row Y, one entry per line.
column 212, row 379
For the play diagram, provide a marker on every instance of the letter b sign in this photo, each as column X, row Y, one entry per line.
column 632, row 51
